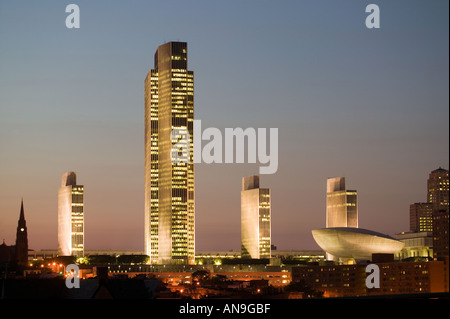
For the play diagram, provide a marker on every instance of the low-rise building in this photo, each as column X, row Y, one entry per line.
column 417, row 244
column 394, row 278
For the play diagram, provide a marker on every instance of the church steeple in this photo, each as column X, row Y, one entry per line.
column 22, row 215
column 22, row 239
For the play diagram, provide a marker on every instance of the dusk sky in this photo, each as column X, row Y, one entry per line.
column 371, row 105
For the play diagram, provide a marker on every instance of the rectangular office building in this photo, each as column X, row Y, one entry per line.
column 255, row 219
column 342, row 207
column 169, row 174
column 70, row 217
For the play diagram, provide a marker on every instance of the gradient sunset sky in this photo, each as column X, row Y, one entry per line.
column 371, row 105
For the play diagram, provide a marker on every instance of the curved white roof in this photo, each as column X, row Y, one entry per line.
column 357, row 243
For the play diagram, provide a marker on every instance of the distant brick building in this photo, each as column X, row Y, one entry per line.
column 395, row 278
column 7, row 253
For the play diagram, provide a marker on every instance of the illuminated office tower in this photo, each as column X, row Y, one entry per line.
column 421, row 217
column 255, row 219
column 70, row 217
column 169, row 184
column 438, row 189
column 342, row 207
column 438, row 196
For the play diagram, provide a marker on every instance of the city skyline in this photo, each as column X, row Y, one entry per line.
column 370, row 105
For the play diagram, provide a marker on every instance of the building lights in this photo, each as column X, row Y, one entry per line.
column 169, row 93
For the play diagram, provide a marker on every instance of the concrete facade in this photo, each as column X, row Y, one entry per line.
column 255, row 219
column 70, row 217
column 342, row 206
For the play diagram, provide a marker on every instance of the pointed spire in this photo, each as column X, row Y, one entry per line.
column 22, row 239
column 22, row 214
column 22, row 222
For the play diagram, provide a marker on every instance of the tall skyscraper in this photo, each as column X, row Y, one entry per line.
column 169, row 184
column 22, row 239
column 255, row 219
column 70, row 216
column 342, row 205
column 438, row 196
column 438, row 189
